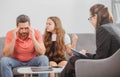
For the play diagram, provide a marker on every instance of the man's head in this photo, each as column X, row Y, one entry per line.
column 23, row 24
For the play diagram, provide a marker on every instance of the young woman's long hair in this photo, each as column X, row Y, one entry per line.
column 103, row 14
column 57, row 51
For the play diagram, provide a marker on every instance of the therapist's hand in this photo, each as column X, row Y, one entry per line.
column 83, row 52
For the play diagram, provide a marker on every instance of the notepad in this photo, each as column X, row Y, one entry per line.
column 42, row 68
column 76, row 53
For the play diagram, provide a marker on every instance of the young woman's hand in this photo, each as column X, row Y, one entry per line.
column 74, row 38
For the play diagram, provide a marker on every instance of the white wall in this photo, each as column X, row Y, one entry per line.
column 73, row 14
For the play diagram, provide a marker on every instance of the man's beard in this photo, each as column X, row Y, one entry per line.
column 23, row 36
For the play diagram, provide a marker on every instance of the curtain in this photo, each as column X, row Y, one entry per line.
column 116, row 10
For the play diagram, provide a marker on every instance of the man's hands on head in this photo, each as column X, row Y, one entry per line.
column 32, row 33
column 39, row 47
column 15, row 32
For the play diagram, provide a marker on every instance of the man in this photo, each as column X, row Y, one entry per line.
column 23, row 47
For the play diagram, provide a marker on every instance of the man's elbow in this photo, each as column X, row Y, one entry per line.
column 43, row 51
column 6, row 54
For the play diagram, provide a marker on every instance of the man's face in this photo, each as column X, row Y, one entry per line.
column 23, row 31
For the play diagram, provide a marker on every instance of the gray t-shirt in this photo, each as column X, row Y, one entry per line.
column 67, row 39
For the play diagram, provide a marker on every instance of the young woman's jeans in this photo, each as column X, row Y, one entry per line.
column 7, row 63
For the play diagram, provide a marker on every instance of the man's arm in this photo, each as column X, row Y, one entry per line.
column 39, row 47
column 9, row 47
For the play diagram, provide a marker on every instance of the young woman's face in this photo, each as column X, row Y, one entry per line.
column 50, row 25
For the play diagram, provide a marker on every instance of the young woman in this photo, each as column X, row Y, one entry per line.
column 106, row 43
column 57, row 41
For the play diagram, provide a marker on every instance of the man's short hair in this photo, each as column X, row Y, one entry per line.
column 22, row 19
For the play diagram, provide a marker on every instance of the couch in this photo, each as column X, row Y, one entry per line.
column 85, row 41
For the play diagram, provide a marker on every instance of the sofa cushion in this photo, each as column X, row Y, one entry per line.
column 85, row 41
column 2, row 39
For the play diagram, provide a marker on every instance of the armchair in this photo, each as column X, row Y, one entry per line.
column 109, row 67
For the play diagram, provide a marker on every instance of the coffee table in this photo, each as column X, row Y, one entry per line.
column 27, row 70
